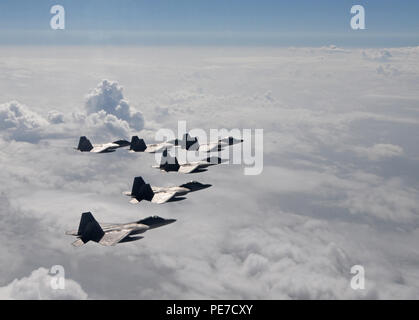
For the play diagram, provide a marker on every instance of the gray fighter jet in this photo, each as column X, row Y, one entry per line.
column 138, row 145
column 111, row 234
column 86, row 146
column 191, row 143
column 169, row 163
column 142, row 191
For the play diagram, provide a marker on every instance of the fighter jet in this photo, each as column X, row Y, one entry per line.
column 187, row 142
column 169, row 163
column 111, row 234
column 138, row 145
column 142, row 191
column 86, row 146
column 191, row 143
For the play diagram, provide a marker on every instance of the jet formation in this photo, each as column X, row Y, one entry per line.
column 142, row 191
column 111, row 234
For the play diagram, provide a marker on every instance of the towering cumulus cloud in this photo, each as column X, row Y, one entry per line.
column 107, row 115
column 108, row 96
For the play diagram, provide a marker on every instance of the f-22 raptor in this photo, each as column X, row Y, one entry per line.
column 138, row 145
column 86, row 146
column 142, row 191
column 191, row 143
column 169, row 163
column 111, row 234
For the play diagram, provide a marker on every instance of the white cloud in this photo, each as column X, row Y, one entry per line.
column 101, row 125
column 37, row 286
column 108, row 96
column 379, row 151
column 18, row 122
column 55, row 117
column 381, row 55
column 334, row 49
column 388, row 70
column 108, row 116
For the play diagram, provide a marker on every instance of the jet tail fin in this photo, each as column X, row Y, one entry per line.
column 168, row 159
column 145, row 193
column 141, row 190
column 137, row 145
column 189, row 142
column 84, row 144
column 89, row 228
column 169, row 163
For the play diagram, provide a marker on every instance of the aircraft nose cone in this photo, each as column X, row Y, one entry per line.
column 207, row 185
column 171, row 220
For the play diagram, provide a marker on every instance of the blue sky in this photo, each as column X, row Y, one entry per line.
column 203, row 22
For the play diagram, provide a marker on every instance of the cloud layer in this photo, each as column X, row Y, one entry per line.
column 19, row 123
column 339, row 185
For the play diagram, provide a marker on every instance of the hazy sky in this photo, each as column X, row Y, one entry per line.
column 266, row 22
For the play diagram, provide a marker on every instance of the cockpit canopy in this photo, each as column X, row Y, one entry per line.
column 151, row 220
column 192, row 184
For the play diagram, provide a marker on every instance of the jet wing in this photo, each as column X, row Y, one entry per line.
column 153, row 148
column 188, row 168
column 162, row 197
column 99, row 149
column 209, row 147
column 113, row 237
